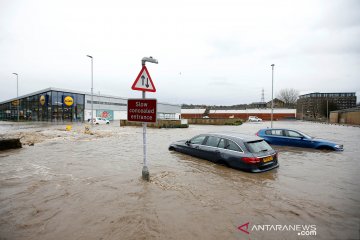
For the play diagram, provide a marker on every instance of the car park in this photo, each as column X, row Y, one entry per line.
column 99, row 120
column 290, row 137
column 254, row 119
column 244, row 152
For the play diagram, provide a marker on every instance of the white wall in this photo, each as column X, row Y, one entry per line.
column 120, row 115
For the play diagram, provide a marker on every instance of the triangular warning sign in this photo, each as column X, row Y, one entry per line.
column 244, row 228
column 143, row 81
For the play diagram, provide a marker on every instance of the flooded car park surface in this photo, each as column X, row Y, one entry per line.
column 70, row 185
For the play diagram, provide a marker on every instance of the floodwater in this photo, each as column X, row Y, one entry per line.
column 75, row 186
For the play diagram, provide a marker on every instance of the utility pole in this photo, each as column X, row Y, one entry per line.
column 272, row 94
column 17, row 96
column 92, row 91
column 327, row 110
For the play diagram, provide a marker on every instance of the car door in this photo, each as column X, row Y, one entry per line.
column 275, row 136
column 210, row 150
column 294, row 138
column 193, row 147
column 231, row 153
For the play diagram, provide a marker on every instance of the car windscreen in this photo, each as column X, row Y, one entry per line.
column 258, row 146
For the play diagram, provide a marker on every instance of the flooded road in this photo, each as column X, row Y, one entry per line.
column 75, row 186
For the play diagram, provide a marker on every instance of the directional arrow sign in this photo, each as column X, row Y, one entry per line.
column 143, row 81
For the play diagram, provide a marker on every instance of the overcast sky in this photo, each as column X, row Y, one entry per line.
column 209, row 52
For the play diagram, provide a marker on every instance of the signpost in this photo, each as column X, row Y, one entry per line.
column 143, row 110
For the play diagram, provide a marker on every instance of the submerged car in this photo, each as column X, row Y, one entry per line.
column 289, row 137
column 244, row 152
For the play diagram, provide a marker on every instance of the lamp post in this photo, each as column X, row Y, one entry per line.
column 272, row 94
column 17, row 95
column 327, row 110
column 92, row 90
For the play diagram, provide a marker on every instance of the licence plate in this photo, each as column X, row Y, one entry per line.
column 268, row 159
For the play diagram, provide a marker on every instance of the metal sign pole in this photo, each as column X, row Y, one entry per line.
column 145, row 86
column 145, row 170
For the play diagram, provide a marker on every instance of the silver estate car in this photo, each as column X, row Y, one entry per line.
column 244, row 152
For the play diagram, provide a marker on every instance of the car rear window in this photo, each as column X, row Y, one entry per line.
column 258, row 146
column 233, row 146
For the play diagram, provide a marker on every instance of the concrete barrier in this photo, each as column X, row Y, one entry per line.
column 10, row 143
column 159, row 124
column 216, row 121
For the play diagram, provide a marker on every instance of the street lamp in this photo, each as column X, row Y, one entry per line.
column 92, row 91
column 17, row 95
column 272, row 94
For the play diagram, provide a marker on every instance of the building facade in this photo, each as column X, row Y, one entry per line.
column 60, row 105
column 317, row 106
column 346, row 116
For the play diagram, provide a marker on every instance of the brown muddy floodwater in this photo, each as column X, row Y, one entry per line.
column 75, row 186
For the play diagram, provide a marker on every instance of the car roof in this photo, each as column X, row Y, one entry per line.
column 281, row 129
column 236, row 136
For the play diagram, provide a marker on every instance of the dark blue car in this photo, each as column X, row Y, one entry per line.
column 248, row 153
column 289, row 137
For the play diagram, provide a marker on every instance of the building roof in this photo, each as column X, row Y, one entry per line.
column 276, row 100
column 314, row 94
column 193, row 111
column 72, row 91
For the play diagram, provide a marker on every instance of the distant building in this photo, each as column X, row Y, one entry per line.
column 193, row 113
column 257, row 105
column 317, row 106
column 277, row 103
column 62, row 105
column 346, row 116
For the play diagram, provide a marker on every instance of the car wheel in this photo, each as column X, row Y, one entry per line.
column 222, row 162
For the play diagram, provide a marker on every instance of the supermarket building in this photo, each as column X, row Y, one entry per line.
column 62, row 105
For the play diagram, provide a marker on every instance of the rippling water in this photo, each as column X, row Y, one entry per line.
column 90, row 187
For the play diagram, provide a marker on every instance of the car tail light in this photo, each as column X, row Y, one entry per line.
column 251, row 160
column 257, row 134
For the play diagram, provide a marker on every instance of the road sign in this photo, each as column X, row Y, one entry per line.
column 143, row 81
column 141, row 110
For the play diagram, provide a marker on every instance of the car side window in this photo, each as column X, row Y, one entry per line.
column 277, row 132
column 293, row 134
column 221, row 143
column 198, row 139
column 232, row 146
column 212, row 141
column 268, row 132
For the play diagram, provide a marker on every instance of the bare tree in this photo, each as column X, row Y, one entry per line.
column 289, row 96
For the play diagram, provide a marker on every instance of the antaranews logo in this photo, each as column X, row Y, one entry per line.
column 300, row 229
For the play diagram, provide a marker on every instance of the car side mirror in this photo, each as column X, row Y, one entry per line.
column 188, row 142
